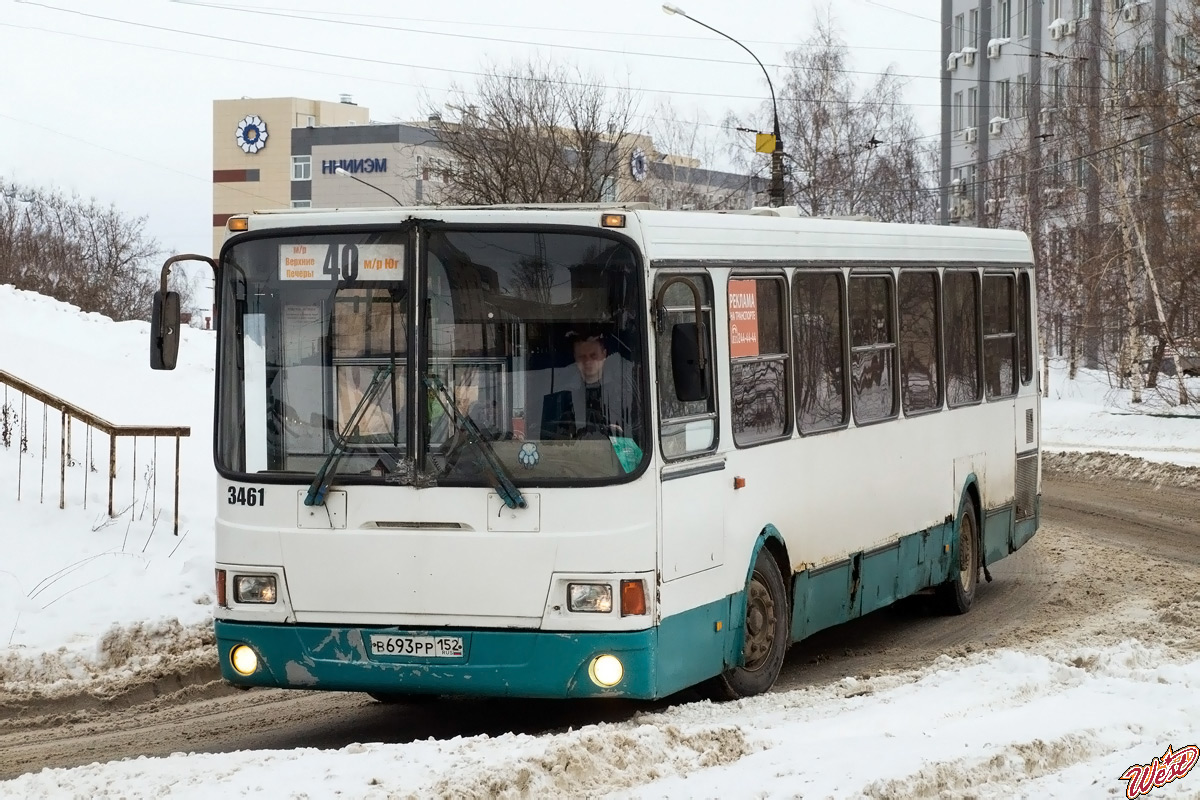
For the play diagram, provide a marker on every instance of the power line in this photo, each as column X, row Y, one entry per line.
column 581, row 48
column 589, row 32
column 384, row 62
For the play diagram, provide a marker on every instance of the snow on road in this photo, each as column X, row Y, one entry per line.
column 1001, row 724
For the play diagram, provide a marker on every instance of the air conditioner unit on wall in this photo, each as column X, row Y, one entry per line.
column 969, row 58
column 995, row 127
column 1070, row 27
column 958, row 187
column 1047, row 117
column 994, row 50
column 966, row 209
column 955, row 214
column 952, row 62
column 1056, row 32
column 1129, row 13
column 970, row 134
column 990, row 206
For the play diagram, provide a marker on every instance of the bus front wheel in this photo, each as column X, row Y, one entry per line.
column 765, row 635
column 956, row 595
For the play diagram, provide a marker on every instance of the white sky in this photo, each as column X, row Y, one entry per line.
column 122, row 111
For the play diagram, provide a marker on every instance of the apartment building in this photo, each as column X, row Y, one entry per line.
column 1033, row 90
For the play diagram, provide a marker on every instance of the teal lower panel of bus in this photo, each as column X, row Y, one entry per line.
column 684, row 650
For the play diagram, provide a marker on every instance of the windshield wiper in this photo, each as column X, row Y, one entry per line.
column 320, row 482
column 464, row 424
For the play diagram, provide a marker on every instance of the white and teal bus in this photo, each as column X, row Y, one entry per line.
column 602, row 451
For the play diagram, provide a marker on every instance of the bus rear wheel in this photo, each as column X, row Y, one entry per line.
column 956, row 595
column 765, row 637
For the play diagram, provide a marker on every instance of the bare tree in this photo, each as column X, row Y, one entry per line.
column 852, row 150
column 533, row 133
column 676, row 178
column 77, row 251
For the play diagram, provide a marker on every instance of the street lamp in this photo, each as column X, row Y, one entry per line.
column 777, row 153
column 346, row 174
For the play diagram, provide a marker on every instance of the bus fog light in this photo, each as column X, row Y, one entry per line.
column 243, row 659
column 254, row 588
column 606, row 671
column 594, row 598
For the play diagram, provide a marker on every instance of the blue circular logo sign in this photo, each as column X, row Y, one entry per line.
column 252, row 134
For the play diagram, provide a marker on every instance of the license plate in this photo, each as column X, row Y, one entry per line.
column 420, row 646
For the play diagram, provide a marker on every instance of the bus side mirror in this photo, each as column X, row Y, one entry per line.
column 164, row 330
column 688, row 363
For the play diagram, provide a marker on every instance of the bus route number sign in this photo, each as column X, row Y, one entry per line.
column 341, row 262
column 419, row 646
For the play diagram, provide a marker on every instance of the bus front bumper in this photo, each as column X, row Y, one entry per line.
column 493, row 663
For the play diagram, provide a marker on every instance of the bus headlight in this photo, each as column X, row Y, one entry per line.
column 243, row 659
column 254, row 589
column 592, row 598
column 606, row 671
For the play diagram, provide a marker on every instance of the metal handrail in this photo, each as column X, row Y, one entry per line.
column 71, row 411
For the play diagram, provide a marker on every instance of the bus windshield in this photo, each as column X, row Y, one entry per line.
column 537, row 338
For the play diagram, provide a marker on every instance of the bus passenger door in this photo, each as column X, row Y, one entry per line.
column 693, row 516
column 694, row 481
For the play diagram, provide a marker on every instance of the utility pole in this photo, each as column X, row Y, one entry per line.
column 776, row 185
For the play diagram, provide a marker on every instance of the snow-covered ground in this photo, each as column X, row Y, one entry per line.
column 89, row 602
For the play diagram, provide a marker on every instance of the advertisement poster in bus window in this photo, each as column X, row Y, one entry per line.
column 743, row 318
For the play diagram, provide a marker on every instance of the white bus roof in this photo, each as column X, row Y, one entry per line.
column 673, row 237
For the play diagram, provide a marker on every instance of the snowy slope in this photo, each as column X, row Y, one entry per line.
column 83, row 595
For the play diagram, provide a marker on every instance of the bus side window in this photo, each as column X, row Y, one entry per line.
column 688, row 426
column 960, row 300
column 999, row 336
column 872, row 348
column 758, row 360
column 1024, row 329
column 920, row 387
column 820, row 347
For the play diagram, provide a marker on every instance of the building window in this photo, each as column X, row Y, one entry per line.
column 302, row 168
column 973, row 27
column 1003, row 107
column 1080, row 171
column 1021, row 104
column 872, row 348
column 958, row 111
column 302, row 204
column 960, row 32
column 1055, row 9
column 1054, row 168
column 1116, row 69
column 1023, row 18
column 1083, row 9
column 608, row 190
column 972, row 102
column 1003, row 24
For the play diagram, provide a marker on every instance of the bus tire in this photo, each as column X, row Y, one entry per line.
column 956, row 595
column 765, row 634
